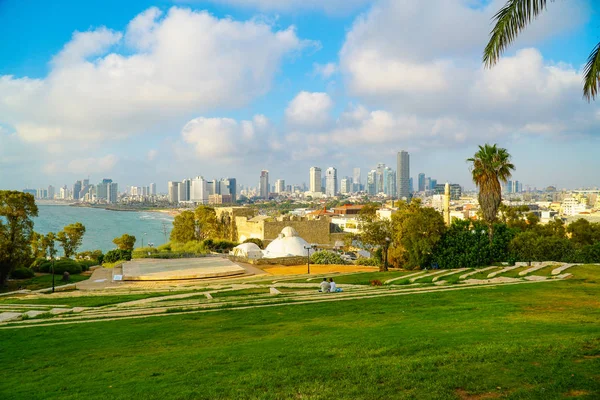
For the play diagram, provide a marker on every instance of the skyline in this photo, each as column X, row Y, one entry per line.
column 287, row 90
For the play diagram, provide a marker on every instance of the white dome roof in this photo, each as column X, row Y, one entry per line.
column 250, row 250
column 248, row 247
column 288, row 244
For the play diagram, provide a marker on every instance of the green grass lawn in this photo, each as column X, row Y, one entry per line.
column 529, row 341
column 484, row 274
column 89, row 301
column 40, row 282
column 241, row 292
column 547, row 271
column 513, row 273
column 366, row 277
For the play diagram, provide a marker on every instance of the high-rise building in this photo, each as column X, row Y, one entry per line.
column 421, row 182
column 315, row 179
column 51, row 192
column 380, row 180
column 279, row 186
column 346, row 185
column 263, row 185
column 64, row 192
column 331, row 184
column 410, row 184
column 113, row 192
column 389, row 182
column 199, row 190
column 173, row 190
column 433, row 184
column 356, row 180
column 403, row 175
column 185, row 190
column 102, row 191
column 76, row 189
column 229, row 186
column 455, row 190
column 371, row 182
column 153, row 189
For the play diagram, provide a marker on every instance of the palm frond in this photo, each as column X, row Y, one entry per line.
column 510, row 21
column 591, row 74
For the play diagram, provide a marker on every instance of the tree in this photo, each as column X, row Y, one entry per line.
column 583, row 233
column 185, row 228
column 38, row 245
column 16, row 230
column 418, row 230
column 375, row 233
column 512, row 19
column 70, row 238
column 490, row 166
column 125, row 242
column 208, row 226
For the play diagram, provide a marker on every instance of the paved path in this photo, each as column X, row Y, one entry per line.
column 476, row 271
column 503, row 270
column 452, row 272
column 557, row 271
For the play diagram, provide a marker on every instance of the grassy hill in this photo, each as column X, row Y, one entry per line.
column 532, row 341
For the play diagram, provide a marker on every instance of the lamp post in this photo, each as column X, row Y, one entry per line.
column 52, row 252
column 143, row 239
column 308, row 249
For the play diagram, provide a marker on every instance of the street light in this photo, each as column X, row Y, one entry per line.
column 143, row 239
column 308, row 249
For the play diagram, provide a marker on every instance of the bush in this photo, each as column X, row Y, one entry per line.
column 71, row 266
column 375, row 282
column 256, row 241
column 45, row 266
column 368, row 262
column 142, row 252
column 22, row 273
column 117, row 255
column 35, row 265
column 164, row 247
column 326, row 257
column 86, row 264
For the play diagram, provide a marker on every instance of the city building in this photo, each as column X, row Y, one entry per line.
column 356, row 180
column 421, row 182
column 107, row 191
column 153, row 189
column 371, row 182
column 315, row 180
column 389, row 182
column 173, row 191
column 403, row 175
column 263, row 186
column 279, row 186
column 455, row 190
column 199, row 190
column 331, row 184
column 229, row 186
column 346, row 185
column 76, row 189
column 51, row 192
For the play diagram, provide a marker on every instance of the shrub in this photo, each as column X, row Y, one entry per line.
column 86, row 264
column 256, row 241
column 142, row 252
column 22, row 273
column 375, row 282
column 326, row 257
column 95, row 255
column 45, row 266
column 35, row 265
column 71, row 266
column 117, row 255
column 164, row 247
column 369, row 262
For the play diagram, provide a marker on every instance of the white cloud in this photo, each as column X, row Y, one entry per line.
column 309, row 110
column 152, row 154
column 326, row 71
column 225, row 139
column 180, row 63
column 335, row 7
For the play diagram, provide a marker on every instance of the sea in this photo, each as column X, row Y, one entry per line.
column 102, row 226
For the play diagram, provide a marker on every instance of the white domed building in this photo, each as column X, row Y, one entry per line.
column 247, row 250
column 287, row 244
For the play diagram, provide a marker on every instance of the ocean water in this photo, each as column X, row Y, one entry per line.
column 102, row 226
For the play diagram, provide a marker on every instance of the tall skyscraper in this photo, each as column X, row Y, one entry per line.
column 185, row 190
column 389, row 182
column 371, row 182
column 356, row 180
column 76, row 189
column 199, row 190
column 410, row 185
column 315, row 179
column 345, row 185
column 403, row 175
column 173, row 188
column 331, row 184
column 103, row 190
column 51, row 192
column 263, row 186
column 113, row 191
column 153, row 189
column 421, row 182
column 380, row 180
column 279, row 186
column 230, row 186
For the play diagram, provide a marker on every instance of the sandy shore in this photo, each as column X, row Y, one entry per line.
column 172, row 213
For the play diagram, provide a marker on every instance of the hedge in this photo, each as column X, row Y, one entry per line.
column 22, row 273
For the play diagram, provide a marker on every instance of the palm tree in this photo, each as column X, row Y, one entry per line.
column 512, row 19
column 491, row 165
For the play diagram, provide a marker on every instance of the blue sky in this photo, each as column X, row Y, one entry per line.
column 151, row 91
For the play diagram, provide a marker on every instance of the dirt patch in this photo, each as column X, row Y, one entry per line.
column 576, row 393
column 316, row 269
column 464, row 395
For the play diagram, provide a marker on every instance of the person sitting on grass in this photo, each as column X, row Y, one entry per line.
column 333, row 287
column 324, row 286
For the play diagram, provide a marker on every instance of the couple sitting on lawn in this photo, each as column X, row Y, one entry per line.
column 329, row 287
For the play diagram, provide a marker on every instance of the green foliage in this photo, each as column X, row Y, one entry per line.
column 70, row 238
column 94, row 255
column 86, row 264
column 326, row 257
column 68, row 265
column 256, row 241
column 368, row 262
column 490, row 166
column 117, row 255
column 125, row 242
column 417, row 231
column 531, row 246
column 185, row 228
column 583, row 233
column 22, row 273
column 16, row 229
